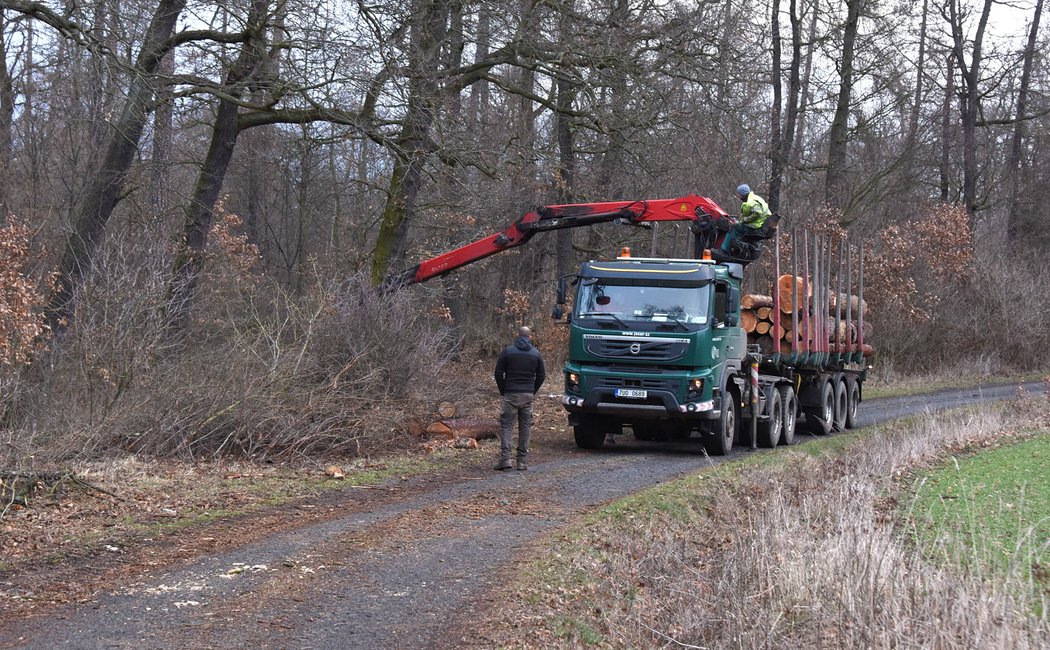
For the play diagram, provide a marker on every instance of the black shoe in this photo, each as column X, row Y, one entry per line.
column 503, row 464
column 521, row 465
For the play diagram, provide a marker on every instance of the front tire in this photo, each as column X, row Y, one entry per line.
column 588, row 435
column 720, row 441
column 769, row 431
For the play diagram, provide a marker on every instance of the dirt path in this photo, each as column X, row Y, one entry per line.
column 394, row 567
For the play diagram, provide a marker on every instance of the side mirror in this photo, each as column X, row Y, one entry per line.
column 733, row 307
column 563, row 289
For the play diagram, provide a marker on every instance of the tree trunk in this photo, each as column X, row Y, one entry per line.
column 787, row 138
column 163, row 130
column 805, row 89
column 410, row 151
column 7, row 116
column 776, row 146
column 200, row 210
column 108, row 183
column 566, row 149
column 835, row 185
column 969, row 100
column 1014, row 229
column 946, row 130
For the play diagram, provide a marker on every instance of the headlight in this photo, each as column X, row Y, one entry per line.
column 696, row 386
column 572, row 381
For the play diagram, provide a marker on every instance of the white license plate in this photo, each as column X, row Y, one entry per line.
column 633, row 393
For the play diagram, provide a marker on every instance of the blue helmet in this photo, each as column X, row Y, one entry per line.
column 744, row 190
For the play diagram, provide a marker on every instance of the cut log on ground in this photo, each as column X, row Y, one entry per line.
column 447, row 410
column 479, row 429
column 755, row 301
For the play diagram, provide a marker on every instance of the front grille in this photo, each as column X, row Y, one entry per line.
column 642, row 349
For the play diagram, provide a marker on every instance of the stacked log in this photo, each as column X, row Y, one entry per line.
column 757, row 319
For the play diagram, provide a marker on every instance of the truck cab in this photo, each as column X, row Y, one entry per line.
column 654, row 344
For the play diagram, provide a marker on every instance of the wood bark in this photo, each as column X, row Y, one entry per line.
column 108, row 184
column 479, row 429
column 755, row 300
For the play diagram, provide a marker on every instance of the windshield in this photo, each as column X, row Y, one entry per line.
column 617, row 303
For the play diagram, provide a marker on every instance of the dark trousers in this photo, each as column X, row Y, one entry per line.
column 516, row 406
column 734, row 232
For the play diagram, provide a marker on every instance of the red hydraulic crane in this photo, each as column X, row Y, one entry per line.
column 573, row 215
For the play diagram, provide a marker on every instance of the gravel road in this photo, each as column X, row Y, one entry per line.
column 392, row 567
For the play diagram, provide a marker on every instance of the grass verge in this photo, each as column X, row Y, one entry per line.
column 989, row 511
column 799, row 548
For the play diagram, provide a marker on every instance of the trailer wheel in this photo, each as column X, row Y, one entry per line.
column 789, row 407
column 820, row 418
column 719, row 441
column 841, row 406
column 852, row 404
column 769, row 431
column 588, row 435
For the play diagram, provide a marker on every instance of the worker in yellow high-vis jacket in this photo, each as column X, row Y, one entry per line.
column 753, row 215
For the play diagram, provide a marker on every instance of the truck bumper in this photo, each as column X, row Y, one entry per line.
column 658, row 405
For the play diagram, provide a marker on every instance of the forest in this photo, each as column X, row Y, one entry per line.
column 198, row 200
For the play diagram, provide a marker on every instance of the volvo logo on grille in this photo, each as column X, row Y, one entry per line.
column 636, row 348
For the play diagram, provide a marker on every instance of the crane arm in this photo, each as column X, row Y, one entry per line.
column 558, row 217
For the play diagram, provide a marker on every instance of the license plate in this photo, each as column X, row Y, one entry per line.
column 633, row 393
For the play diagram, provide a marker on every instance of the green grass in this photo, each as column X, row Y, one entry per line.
column 990, row 510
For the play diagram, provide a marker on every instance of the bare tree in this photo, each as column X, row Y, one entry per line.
column 1015, row 228
column 969, row 101
column 835, row 185
column 107, row 185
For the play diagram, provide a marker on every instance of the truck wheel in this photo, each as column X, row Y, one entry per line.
column 719, row 441
column 820, row 418
column 852, row 404
column 789, row 406
column 769, row 431
column 840, row 406
column 588, row 436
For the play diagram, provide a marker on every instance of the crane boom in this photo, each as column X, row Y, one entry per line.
column 559, row 217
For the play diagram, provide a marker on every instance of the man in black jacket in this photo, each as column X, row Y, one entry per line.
column 519, row 374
